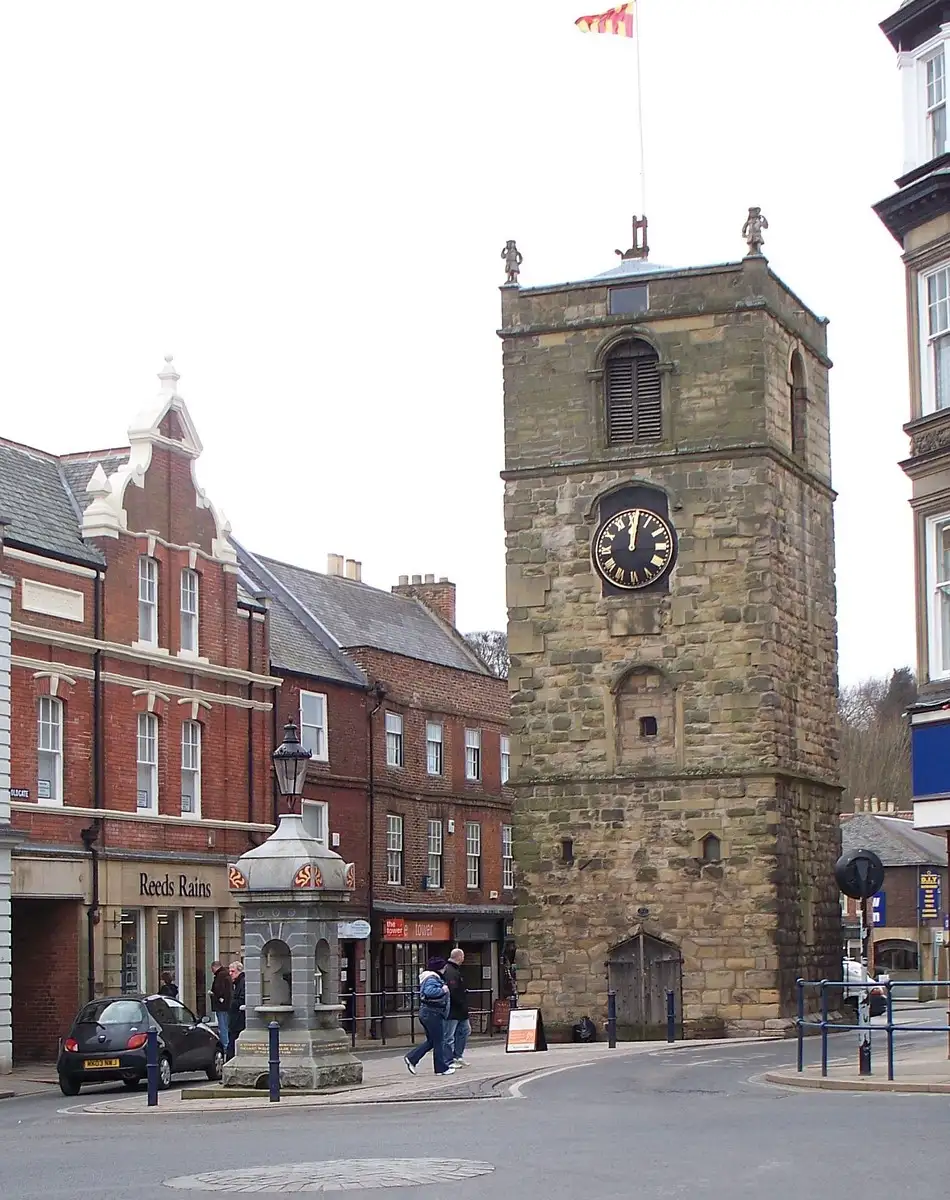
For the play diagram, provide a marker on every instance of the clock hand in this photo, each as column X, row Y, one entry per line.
column 634, row 526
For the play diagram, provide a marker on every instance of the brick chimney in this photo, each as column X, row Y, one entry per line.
column 437, row 595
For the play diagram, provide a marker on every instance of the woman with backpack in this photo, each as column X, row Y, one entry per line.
column 433, row 1010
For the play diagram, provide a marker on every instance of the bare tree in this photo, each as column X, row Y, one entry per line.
column 875, row 740
column 491, row 646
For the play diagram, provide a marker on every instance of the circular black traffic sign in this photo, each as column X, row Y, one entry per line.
column 859, row 874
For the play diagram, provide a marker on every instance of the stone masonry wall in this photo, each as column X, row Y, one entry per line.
column 744, row 640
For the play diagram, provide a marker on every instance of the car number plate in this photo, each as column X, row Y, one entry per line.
column 101, row 1063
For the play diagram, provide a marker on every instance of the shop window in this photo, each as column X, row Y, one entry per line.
column 131, row 926
column 169, row 943
column 206, row 952
column 896, row 958
column 49, row 741
column 401, row 963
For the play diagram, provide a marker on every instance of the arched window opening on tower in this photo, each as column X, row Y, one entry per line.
column 799, row 404
column 632, row 390
column 712, row 849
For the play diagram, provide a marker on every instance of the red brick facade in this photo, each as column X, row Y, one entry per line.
column 112, row 889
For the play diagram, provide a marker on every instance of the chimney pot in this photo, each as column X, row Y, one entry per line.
column 430, row 579
column 443, row 579
column 403, row 581
column 858, row 804
column 875, row 804
column 417, row 579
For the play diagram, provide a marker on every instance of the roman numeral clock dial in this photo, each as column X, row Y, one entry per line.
column 634, row 548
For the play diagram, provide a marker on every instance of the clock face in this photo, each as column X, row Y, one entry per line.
column 633, row 548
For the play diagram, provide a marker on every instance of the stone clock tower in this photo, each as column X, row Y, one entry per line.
column 668, row 508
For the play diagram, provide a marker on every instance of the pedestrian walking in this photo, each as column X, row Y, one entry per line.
column 457, row 1025
column 236, row 1015
column 221, row 991
column 169, row 986
column 433, row 1007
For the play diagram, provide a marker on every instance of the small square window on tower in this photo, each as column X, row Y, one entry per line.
column 648, row 727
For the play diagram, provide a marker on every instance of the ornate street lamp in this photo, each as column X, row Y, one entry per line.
column 290, row 766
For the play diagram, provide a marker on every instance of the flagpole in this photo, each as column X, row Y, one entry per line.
column 643, row 174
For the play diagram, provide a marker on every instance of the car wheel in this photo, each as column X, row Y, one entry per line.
column 132, row 1083
column 217, row 1065
column 69, row 1085
column 164, row 1072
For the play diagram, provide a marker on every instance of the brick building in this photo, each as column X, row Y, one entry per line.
column 6, row 832
column 141, row 721
column 907, row 938
column 409, row 733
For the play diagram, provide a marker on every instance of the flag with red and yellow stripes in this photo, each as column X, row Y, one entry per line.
column 615, row 20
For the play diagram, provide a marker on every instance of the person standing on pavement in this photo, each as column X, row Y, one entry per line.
column 457, row 1026
column 236, row 1017
column 221, row 991
column 433, row 1006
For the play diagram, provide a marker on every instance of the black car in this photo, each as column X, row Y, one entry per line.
column 108, row 1042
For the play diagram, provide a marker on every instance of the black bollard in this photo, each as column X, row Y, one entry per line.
column 151, row 1066
column 670, row 1016
column 273, row 1079
column 611, row 1019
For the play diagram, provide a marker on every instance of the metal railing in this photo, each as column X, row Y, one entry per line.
column 836, row 988
column 402, row 1005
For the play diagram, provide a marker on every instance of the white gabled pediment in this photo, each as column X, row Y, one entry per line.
column 106, row 515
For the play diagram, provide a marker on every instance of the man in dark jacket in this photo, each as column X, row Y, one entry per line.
column 236, row 1017
column 221, row 990
column 457, row 1026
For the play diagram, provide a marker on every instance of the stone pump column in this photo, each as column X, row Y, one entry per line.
column 292, row 891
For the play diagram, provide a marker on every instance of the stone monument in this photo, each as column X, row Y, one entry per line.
column 293, row 891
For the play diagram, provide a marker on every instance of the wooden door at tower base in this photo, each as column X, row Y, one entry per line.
column 642, row 970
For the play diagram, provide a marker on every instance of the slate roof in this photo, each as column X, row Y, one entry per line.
column 355, row 614
column 42, row 510
column 78, row 469
column 294, row 648
column 895, row 841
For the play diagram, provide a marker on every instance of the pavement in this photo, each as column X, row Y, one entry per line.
column 386, row 1080
column 915, row 1070
column 695, row 1120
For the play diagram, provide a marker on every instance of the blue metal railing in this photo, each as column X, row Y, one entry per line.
column 840, row 986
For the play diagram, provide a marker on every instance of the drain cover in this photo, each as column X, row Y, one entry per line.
column 336, row 1175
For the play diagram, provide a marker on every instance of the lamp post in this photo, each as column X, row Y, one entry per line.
column 290, row 766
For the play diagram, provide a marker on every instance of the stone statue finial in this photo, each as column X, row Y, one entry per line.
column 513, row 260
column 752, row 232
column 640, row 248
column 168, row 375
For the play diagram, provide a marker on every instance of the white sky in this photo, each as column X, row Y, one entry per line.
column 308, row 209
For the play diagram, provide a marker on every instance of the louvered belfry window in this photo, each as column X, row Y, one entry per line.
column 634, row 409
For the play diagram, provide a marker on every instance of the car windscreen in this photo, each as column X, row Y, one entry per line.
column 112, row 1012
